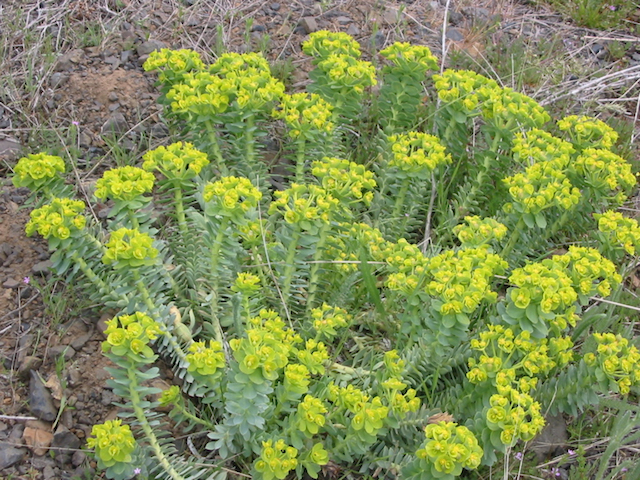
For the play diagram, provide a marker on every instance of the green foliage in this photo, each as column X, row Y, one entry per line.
column 324, row 315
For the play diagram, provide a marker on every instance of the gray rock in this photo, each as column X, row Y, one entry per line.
column 78, row 342
column 10, row 455
column 57, row 350
column 455, row 18
column 40, row 401
column 275, row 6
column 27, row 364
column 146, row 48
column 69, row 60
column 552, row 439
column 58, row 79
column 344, row 20
column 78, row 458
column 353, row 30
column 48, row 473
column 64, row 440
column 11, row 283
column 455, row 35
column 309, row 24
column 115, row 125
column 10, row 147
column 159, row 130
column 41, row 268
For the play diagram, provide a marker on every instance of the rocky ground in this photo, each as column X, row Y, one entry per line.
column 52, row 375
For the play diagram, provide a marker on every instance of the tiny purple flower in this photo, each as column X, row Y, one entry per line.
column 519, row 456
column 623, row 469
column 571, row 452
column 26, row 280
column 136, row 471
column 612, row 8
column 76, row 123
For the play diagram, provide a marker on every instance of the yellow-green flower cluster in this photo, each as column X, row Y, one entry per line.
column 304, row 205
column 326, row 319
column 276, row 460
column 124, row 183
column 616, row 360
column 589, row 271
column 465, row 86
column 540, row 187
column 306, row 115
column 411, row 58
column 545, row 284
column 417, row 154
column 37, row 170
column 112, row 442
column 205, row 360
column 462, row 279
column 619, row 230
column 313, row 356
column 349, row 73
column 253, row 86
column 176, row 161
column 201, row 94
column 59, row 219
column 323, row 43
column 231, row 197
column 537, row 145
column 479, row 231
column 266, row 348
column 588, row 132
column 347, row 181
column 514, row 110
column 368, row 413
column 449, row 448
column 400, row 403
column 296, row 379
column 173, row 64
column 310, row 416
column 515, row 414
column 129, row 248
column 170, row 396
column 129, row 336
column 246, row 283
column 605, row 172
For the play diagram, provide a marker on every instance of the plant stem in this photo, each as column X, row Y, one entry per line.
column 146, row 428
column 143, row 291
column 134, row 221
column 514, row 238
column 313, row 274
column 93, row 278
column 215, row 276
column 402, row 194
column 300, row 159
column 290, row 263
column 179, row 206
column 248, row 139
column 215, row 147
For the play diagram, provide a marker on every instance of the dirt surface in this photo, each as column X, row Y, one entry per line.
column 100, row 92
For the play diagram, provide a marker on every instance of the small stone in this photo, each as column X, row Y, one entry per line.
column 309, row 24
column 40, row 401
column 125, row 56
column 78, row 458
column 11, row 283
column 552, row 439
column 29, row 363
column 353, row 30
column 455, row 35
column 344, row 20
column 258, row 28
column 78, row 342
column 159, row 130
column 58, row 79
column 10, row 455
column 69, row 60
column 115, row 125
column 64, row 440
column 114, row 106
column 112, row 60
column 146, row 48
column 48, row 473
column 37, row 437
column 57, row 350
column 113, row 97
column 10, row 148
column 41, row 268
column 391, row 16
column 275, row 6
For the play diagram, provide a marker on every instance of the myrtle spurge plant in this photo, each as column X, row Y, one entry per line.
column 426, row 246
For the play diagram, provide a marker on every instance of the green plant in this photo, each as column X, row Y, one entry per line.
column 305, row 324
column 596, row 13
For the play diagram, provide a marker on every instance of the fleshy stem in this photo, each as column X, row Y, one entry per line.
column 215, row 275
column 290, row 263
column 558, row 224
column 315, row 266
column 132, row 218
column 146, row 428
column 514, row 238
column 179, row 206
column 300, row 159
column 402, row 194
column 248, row 138
column 192, row 417
column 215, row 147
column 93, row 278
column 143, row 291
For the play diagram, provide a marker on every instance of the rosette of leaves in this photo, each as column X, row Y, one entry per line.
column 41, row 173
column 402, row 88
